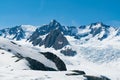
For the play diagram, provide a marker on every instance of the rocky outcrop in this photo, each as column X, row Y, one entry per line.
column 68, row 52
column 58, row 62
column 36, row 65
column 76, row 72
column 87, row 77
column 96, row 78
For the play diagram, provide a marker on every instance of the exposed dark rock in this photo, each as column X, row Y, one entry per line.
column 34, row 36
column 88, row 77
column 51, row 38
column 118, row 33
column 35, row 39
column 98, row 30
column 19, row 55
column 37, row 42
column 58, row 62
column 72, row 31
column 55, row 39
column 96, row 78
column 82, row 27
column 17, row 31
column 76, row 72
column 68, row 52
column 36, row 65
column 79, row 72
column 60, row 41
column 2, row 53
column 78, row 36
column 95, row 31
column 9, row 50
column 45, row 29
column 105, row 78
column 13, row 42
column 18, row 60
column 72, row 74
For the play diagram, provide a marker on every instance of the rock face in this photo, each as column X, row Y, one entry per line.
column 58, row 62
column 55, row 39
column 45, row 29
column 36, row 65
column 96, row 78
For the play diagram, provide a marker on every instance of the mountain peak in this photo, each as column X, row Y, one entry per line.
column 54, row 23
column 28, row 28
column 97, row 23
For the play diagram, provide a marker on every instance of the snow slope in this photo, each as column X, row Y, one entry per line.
column 25, row 52
column 8, row 61
column 78, row 62
column 37, row 75
column 93, row 57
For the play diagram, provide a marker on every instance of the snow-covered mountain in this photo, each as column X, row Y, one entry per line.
column 18, row 32
column 97, row 31
column 51, row 35
column 93, row 48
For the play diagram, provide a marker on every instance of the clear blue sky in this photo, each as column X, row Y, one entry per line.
column 67, row 12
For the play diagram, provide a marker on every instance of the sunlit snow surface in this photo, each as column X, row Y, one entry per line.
column 94, row 57
column 37, row 75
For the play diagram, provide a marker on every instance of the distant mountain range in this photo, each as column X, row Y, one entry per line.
column 39, row 35
column 17, row 32
column 54, row 35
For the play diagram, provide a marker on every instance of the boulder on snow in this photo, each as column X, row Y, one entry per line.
column 76, row 72
column 68, row 52
column 96, row 78
column 36, row 65
column 58, row 62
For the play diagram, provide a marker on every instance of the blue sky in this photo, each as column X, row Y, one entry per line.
column 67, row 12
